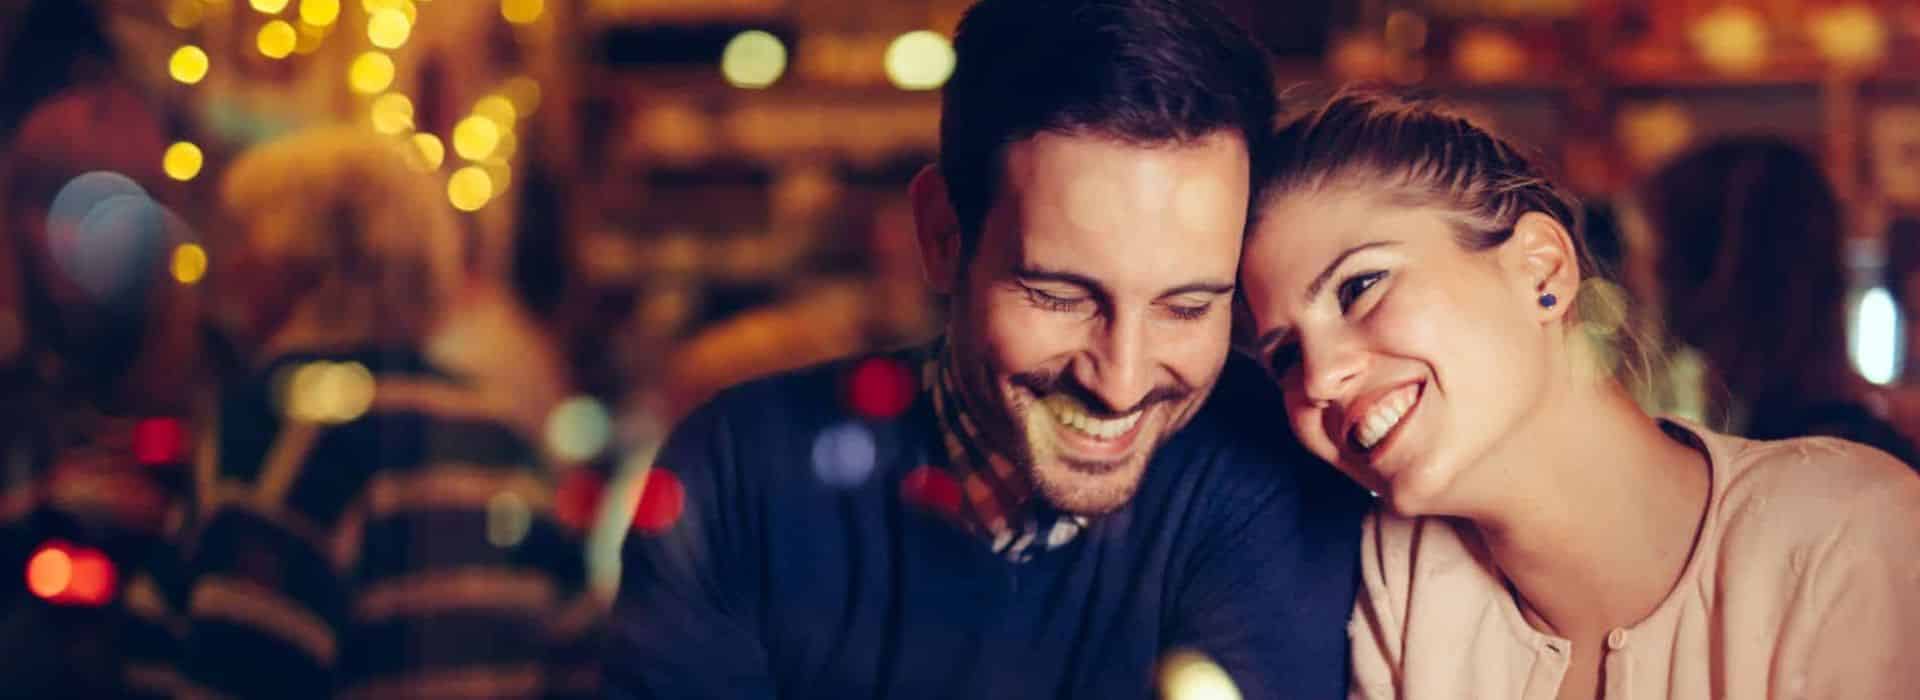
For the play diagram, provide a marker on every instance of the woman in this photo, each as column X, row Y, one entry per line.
column 1421, row 294
column 1745, row 266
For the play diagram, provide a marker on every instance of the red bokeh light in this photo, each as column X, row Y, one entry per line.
column 160, row 441
column 577, row 502
column 932, row 489
column 662, row 500
column 93, row 579
column 880, row 388
column 64, row 574
column 50, row 570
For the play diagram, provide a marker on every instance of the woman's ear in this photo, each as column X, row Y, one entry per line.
column 937, row 228
column 1544, row 263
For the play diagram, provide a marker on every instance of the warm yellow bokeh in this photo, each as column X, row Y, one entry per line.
column 372, row 72
column 182, row 161
column 469, row 188
column 188, row 64
column 277, row 39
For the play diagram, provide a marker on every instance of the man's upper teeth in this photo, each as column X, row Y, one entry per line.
column 1071, row 414
column 1385, row 414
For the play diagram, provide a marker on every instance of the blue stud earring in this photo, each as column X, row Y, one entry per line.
column 1548, row 300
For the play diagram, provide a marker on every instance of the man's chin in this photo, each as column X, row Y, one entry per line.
column 1089, row 488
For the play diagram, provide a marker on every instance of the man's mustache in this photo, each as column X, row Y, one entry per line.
column 1046, row 383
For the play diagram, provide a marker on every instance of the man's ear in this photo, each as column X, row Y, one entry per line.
column 1545, row 263
column 937, row 228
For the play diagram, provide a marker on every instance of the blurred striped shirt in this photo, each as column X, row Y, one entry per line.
column 408, row 551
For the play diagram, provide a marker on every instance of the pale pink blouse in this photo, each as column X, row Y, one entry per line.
column 1804, row 583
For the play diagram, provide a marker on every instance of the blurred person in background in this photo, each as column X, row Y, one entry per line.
column 1746, row 267
column 100, row 356
column 1053, row 499
column 372, row 517
column 55, row 45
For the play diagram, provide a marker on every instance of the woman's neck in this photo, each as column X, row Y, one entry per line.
column 1599, row 516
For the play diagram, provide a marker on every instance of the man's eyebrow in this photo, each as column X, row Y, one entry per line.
column 1035, row 273
column 1215, row 288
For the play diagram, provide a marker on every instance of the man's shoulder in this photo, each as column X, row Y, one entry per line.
column 872, row 386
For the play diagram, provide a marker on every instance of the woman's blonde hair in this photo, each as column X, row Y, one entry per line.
column 1420, row 154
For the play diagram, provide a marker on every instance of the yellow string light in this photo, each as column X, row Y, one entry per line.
column 189, row 263
column 319, row 13
column 432, row 151
column 277, row 39
column 392, row 113
column 182, row 161
column 475, row 137
column 388, row 29
column 272, row 7
column 370, row 73
column 469, row 188
column 522, row 11
column 188, row 64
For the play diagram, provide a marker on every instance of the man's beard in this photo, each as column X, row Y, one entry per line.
column 1015, row 431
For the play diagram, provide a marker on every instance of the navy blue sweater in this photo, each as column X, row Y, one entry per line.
column 783, row 578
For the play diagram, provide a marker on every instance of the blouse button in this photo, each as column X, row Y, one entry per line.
column 1617, row 639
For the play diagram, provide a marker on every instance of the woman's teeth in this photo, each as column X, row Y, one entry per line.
column 1072, row 414
column 1384, row 415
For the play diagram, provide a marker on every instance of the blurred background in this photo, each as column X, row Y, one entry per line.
column 654, row 199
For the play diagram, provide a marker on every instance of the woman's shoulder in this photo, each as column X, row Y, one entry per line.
column 1800, row 493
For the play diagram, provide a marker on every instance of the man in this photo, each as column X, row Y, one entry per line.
column 1046, row 510
column 369, row 519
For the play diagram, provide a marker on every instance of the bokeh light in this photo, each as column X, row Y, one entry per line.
column 311, row 37
column 329, row 392
column 277, row 39
column 577, row 499
column 388, row 29
column 392, row 113
column 497, row 108
column 880, row 388
column 932, row 489
column 522, row 11
column 524, row 92
column 844, row 455
column 500, row 173
column 1875, row 337
column 475, row 137
column 1851, row 36
column 93, row 578
column 319, row 13
column 188, row 64
column 189, row 263
column 1732, row 39
column 112, row 249
column 469, row 188
column 920, row 60
column 754, row 59
column 508, row 519
column 50, row 570
column 272, row 7
column 662, row 499
column 579, row 429
column 370, row 73
column 431, row 150
column 186, row 14
column 159, row 441
column 1189, row 675
column 182, row 161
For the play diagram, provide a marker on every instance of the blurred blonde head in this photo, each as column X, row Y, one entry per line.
column 341, row 239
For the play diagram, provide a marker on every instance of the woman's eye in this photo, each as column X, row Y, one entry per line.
column 1351, row 288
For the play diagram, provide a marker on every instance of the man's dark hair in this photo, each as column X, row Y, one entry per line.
column 1140, row 71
